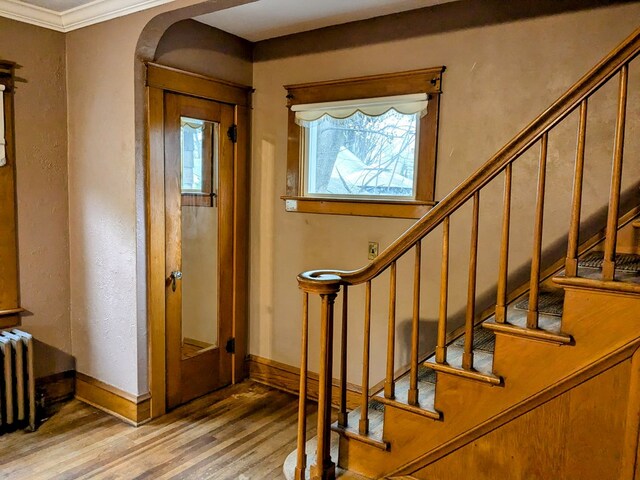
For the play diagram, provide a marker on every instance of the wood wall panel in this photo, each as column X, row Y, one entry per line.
column 579, row 434
column 287, row 378
column 9, row 293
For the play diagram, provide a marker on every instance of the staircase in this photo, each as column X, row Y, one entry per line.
column 544, row 384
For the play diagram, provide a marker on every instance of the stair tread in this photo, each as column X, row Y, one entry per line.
column 627, row 266
column 482, row 361
column 546, row 322
column 376, row 423
column 483, row 340
column 426, row 391
column 550, row 302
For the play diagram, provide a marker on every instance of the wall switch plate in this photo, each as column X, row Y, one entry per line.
column 373, row 250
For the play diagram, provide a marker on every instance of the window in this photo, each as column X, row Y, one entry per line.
column 364, row 146
column 198, row 146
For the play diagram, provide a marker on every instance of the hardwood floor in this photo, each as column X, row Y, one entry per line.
column 243, row 432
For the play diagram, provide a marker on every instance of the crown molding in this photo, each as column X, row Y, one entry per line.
column 74, row 18
column 24, row 12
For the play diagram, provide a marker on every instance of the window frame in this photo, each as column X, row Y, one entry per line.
column 427, row 81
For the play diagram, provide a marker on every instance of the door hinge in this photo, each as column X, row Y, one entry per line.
column 232, row 133
column 231, row 345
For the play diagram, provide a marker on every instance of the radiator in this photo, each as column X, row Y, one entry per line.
column 17, row 385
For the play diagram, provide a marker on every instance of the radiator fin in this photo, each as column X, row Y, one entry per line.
column 17, row 383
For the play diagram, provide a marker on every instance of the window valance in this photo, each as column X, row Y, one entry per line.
column 406, row 104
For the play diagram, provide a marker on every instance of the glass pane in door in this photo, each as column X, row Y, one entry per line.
column 199, row 147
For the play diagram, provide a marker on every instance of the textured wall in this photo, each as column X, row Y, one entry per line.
column 199, row 48
column 499, row 77
column 41, row 152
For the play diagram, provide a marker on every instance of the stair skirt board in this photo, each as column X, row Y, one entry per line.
column 625, row 262
column 549, row 303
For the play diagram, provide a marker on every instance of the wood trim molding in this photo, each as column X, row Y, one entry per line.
column 614, row 358
column 129, row 408
column 287, row 378
column 178, row 81
column 370, row 208
column 427, row 80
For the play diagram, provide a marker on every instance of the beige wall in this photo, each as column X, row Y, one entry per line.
column 199, row 48
column 41, row 154
column 498, row 78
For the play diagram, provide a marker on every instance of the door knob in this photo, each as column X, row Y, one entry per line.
column 176, row 275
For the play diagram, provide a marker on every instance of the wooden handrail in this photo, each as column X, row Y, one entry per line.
column 560, row 109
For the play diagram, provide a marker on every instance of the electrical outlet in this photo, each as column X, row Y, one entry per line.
column 373, row 250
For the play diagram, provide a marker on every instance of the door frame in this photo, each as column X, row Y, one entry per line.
column 161, row 79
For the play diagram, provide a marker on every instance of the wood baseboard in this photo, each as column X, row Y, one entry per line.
column 287, row 378
column 127, row 407
column 54, row 390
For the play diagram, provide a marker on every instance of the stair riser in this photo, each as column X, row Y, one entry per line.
column 599, row 323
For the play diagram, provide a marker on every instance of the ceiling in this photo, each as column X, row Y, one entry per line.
column 58, row 6
column 255, row 21
column 266, row 19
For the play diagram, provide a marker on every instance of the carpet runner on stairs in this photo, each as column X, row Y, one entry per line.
column 625, row 262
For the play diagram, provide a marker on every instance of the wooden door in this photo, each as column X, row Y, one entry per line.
column 199, row 183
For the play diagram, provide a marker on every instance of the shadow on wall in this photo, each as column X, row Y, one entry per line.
column 52, row 390
column 428, row 334
column 49, row 359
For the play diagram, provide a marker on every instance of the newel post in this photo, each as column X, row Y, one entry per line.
column 327, row 286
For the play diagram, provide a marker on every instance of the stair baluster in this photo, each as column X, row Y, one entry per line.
column 609, row 263
column 571, row 264
column 363, row 427
column 301, row 464
column 467, row 356
column 343, row 414
column 389, row 384
column 501, row 301
column 534, row 285
column 441, row 348
column 412, row 395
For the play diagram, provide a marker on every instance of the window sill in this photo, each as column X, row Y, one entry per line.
column 368, row 208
